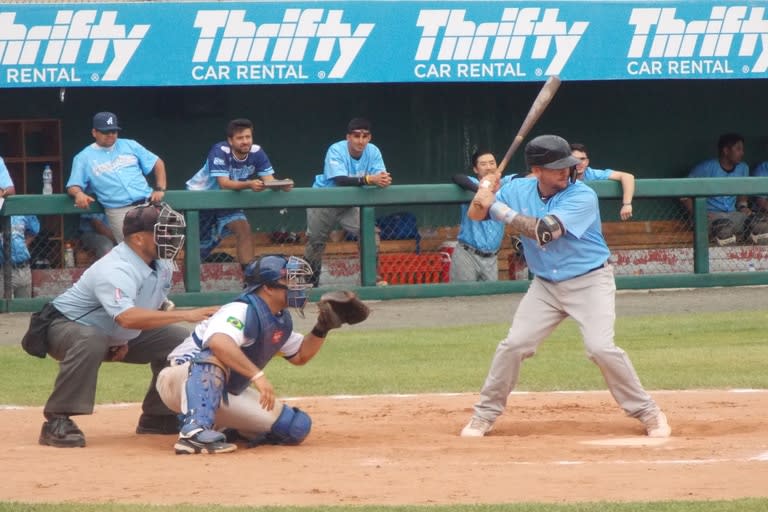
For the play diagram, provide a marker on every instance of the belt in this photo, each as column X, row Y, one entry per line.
column 139, row 202
column 574, row 277
column 478, row 252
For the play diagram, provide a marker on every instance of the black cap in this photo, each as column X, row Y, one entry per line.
column 358, row 123
column 105, row 122
column 141, row 218
column 549, row 152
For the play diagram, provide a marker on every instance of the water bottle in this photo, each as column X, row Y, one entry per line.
column 47, row 180
column 69, row 255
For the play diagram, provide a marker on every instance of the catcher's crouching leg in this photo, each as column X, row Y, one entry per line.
column 203, row 391
column 291, row 427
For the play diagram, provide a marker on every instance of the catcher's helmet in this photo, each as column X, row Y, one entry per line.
column 269, row 269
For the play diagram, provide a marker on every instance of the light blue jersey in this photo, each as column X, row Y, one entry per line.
column 222, row 163
column 712, row 169
column 582, row 248
column 21, row 227
column 338, row 162
column 5, row 176
column 116, row 175
column 761, row 170
column 117, row 282
column 591, row 174
column 485, row 235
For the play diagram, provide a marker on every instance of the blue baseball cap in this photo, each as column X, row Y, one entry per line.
column 105, row 122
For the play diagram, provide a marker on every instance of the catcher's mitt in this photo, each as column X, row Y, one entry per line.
column 340, row 307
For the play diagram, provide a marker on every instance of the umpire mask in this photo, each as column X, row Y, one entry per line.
column 169, row 232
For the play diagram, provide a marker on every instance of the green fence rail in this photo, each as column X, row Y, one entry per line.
column 191, row 203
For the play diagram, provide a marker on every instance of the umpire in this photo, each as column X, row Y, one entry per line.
column 111, row 314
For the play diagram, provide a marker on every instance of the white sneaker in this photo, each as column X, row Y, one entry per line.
column 657, row 426
column 477, row 427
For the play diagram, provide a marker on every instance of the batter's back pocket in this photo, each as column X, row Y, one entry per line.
column 35, row 340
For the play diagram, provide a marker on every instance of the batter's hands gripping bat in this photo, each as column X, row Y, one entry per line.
column 540, row 104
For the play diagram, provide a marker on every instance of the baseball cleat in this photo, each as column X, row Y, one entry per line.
column 205, row 441
column 477, row 427
column 657, row 426
column 61, row 432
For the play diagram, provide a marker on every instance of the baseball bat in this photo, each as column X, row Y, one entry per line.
column 539, row 105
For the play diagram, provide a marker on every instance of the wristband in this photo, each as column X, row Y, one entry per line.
column 257, row 376
column 502, row 212
column 626, row 204
column 159, row 189
column 318, row 332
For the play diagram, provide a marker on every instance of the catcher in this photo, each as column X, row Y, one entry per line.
column 216, row 376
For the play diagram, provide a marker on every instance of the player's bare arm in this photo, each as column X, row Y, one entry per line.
column 82, row 200
column 228, row 352
column 310, row 346
column 627, row 181
column 145, row 319
column 161, row 181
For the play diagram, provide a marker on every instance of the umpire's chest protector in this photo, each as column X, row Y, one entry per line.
column 268, row 332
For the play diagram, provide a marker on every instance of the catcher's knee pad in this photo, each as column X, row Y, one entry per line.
column 723, row 231
column 291, row 427
column 204, row 390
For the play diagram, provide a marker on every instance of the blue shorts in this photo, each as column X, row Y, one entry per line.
column 213, row 228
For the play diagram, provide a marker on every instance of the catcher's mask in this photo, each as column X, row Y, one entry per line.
column 270, row 268
column 166, row 224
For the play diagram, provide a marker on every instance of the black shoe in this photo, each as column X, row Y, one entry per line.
column 206, row 441
column 164, row 424
column 61, row 432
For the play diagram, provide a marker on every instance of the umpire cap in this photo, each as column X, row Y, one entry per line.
column 549, row 152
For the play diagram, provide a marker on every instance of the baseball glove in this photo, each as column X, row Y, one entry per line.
column 340, row 307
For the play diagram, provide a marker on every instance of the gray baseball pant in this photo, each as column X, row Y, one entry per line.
column 590, row 301
column 80, row 350
column 467, row 266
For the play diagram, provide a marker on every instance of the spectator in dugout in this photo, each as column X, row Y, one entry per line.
column 730, row 218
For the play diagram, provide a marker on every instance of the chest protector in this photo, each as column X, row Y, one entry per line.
column 268, row 333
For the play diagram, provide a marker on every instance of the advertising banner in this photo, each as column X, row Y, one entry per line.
column 221, row 43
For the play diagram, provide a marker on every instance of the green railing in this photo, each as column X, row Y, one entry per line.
column 403, row 195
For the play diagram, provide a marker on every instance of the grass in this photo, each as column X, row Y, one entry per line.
column 725, row 350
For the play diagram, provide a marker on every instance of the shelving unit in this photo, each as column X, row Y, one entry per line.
column 26, row 146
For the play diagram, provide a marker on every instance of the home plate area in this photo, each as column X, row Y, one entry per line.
column 405, row 450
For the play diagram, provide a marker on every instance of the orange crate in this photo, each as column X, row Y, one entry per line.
column 409, row 268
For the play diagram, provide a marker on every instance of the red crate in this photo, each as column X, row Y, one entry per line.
column 409, row 268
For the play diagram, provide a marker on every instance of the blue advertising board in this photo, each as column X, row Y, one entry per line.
column 222, row 43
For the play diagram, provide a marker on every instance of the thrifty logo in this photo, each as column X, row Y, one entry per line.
column 73, row 33
column 448, row 36
column 226, row 36
column 660, row 34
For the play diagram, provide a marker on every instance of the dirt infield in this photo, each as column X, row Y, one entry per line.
column 405, row 450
